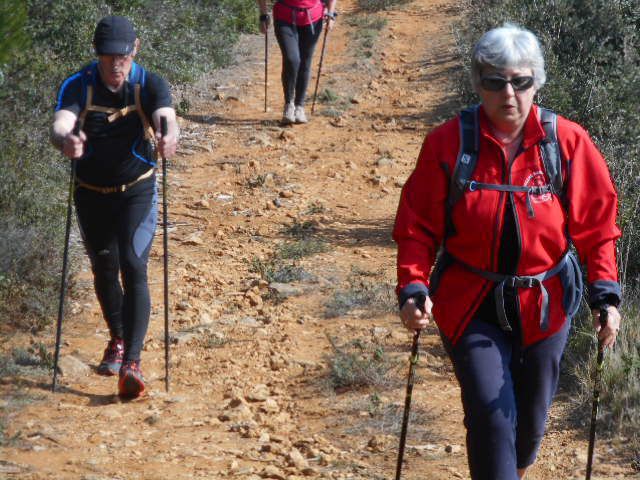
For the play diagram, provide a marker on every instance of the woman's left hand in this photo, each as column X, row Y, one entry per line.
column 607, row 334
column 330, row 19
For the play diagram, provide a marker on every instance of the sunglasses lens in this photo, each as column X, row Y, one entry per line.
column 496, row 84
column 493, row 84
column 522, row 83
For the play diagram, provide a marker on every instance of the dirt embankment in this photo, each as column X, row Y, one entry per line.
column 287, row 359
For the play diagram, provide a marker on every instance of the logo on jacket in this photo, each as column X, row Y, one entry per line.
column 538, row 179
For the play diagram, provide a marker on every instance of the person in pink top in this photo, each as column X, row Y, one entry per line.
column 298, row 24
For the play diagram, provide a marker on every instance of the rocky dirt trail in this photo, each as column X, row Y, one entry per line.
column 287, row 359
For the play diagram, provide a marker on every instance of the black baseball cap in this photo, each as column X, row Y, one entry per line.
column 114, row 35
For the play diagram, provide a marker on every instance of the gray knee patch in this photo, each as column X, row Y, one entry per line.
column 144, row 233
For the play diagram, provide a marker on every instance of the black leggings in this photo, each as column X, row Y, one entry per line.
column 297, row 44
column 118, row 229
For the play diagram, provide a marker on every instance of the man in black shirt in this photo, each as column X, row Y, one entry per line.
column 119, row 106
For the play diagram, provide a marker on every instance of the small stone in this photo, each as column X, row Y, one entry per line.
column 237, row 411
column 377, row 443
column 152, row 419
column 71, row 366
column 287, row 135
column 453, row 448
column 379, row 332
column 255, row 300
column 296, row 459
column 270, row 406
column 384, row 162
column 249, row 322
column 260, row 393
column 193, row 239
column 271, row 471
column 285, row 290
column 202, row 204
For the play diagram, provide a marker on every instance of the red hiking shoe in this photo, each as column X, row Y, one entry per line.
column 112, row 358
column 131, row 382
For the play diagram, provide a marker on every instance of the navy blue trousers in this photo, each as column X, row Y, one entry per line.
column 118, row 229
column 506, row 394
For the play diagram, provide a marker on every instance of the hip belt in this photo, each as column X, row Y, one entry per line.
column 519, row 281
column 115, row 188
column 294, row 10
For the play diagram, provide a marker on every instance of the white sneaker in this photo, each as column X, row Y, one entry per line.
column 299, row 114
column 288, row 116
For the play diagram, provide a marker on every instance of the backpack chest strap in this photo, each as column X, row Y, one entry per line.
column 116, row 113
column 472, row 186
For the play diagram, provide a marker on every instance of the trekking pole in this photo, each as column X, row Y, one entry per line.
column 165, row 241
column 65, row 265
column 324, row 44
column 413, row 360
column 596, row 394
column 266, row 63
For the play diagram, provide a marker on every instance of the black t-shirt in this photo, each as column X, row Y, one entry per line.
column 116, row 152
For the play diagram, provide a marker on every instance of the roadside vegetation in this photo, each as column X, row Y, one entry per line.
column 40, row 44
column 593, row 76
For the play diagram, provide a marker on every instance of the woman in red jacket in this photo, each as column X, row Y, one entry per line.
column 298, row 24
column 505, row 284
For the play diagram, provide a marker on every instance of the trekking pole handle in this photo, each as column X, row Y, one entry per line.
column 163, row 126
column 420, row 301
column 76, row 128
column 604, row 317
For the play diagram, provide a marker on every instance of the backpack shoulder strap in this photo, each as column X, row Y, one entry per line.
column 146, row 125
column 550, row 150
column 468, row 154
column 87, row 81
column 138, row 78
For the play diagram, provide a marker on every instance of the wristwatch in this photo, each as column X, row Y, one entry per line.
column 331, row 15
column 264, row 17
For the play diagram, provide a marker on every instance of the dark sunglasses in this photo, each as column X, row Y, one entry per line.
column 496, row 84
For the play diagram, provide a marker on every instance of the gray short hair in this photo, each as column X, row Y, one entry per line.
column 509, row 46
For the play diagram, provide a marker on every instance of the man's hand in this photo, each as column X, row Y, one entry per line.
column 607, row 334
column 73, row 145
column 412, row 317
column 62, row 135
column 168, row 144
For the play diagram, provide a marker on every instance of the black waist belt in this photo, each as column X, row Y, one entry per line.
column 517, row 281
column 115, row 188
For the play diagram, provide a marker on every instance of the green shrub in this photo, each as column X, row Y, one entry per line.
column 365, row 31
column 377, row 5
column 301, row 248
column 364, row 293
column 358, row 364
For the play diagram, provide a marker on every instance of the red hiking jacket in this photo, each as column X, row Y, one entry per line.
column 478, row 217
